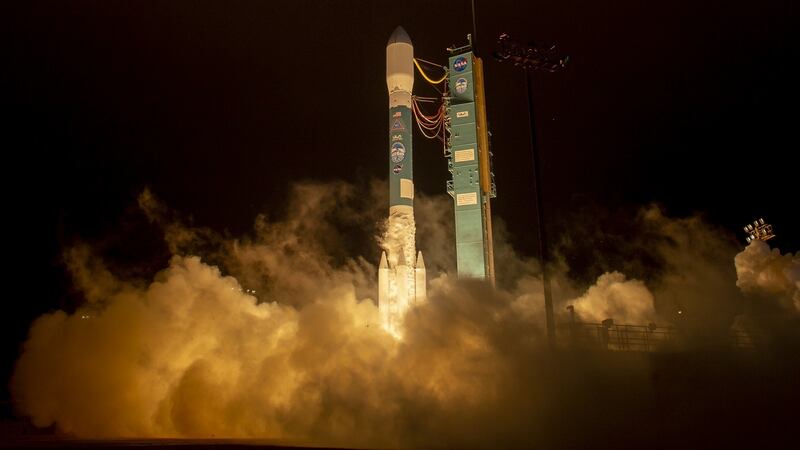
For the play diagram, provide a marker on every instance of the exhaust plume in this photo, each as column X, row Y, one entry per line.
column 280, row 339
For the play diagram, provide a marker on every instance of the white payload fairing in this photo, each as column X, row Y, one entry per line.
column 401, row 274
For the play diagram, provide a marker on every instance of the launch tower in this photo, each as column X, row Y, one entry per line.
column 469, row 161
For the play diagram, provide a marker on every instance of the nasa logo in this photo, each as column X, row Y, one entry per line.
column 398, row 152
column 460, row 64
column 397, row 137
column 461, row 85
column 398, row 168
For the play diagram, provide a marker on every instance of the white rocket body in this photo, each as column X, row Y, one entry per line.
column 399, row 68
column 401, row 276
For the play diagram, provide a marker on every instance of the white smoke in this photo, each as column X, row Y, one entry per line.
column 615, row 297
column 398, row 239
column 761, row 270
column 191, row 353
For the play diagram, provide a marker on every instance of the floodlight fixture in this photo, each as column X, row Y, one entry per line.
column 759, row 230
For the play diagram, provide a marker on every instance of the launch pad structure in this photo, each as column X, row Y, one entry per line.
column 469, row 161
column 460, row 123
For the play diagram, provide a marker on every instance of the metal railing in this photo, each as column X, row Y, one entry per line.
column 635, row 338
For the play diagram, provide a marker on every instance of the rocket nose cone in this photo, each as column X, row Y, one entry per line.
column 399, row 36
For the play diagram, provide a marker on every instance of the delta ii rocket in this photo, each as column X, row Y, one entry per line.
column 401, row 274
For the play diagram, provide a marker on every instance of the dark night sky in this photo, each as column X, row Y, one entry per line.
column 219, row 106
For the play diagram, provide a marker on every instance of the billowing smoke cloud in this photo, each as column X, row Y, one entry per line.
column 613, row 296
column 398, row 239
column 280, row 339
column 767, row 272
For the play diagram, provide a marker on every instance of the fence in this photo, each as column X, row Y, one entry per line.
column 635, row 338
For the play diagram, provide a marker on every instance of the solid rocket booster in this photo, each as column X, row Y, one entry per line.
column 401, row 276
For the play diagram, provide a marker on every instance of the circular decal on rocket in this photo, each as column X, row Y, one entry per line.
column 397, row 168
column 461, row 85
column 398, row 152
column 460, row 64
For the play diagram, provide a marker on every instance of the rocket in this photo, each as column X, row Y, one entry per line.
column 401, row 273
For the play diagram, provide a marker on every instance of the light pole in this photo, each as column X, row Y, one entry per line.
column 532, row 58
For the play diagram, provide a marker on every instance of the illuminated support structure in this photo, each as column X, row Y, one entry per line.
column 758, row 230
column 469, row 160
